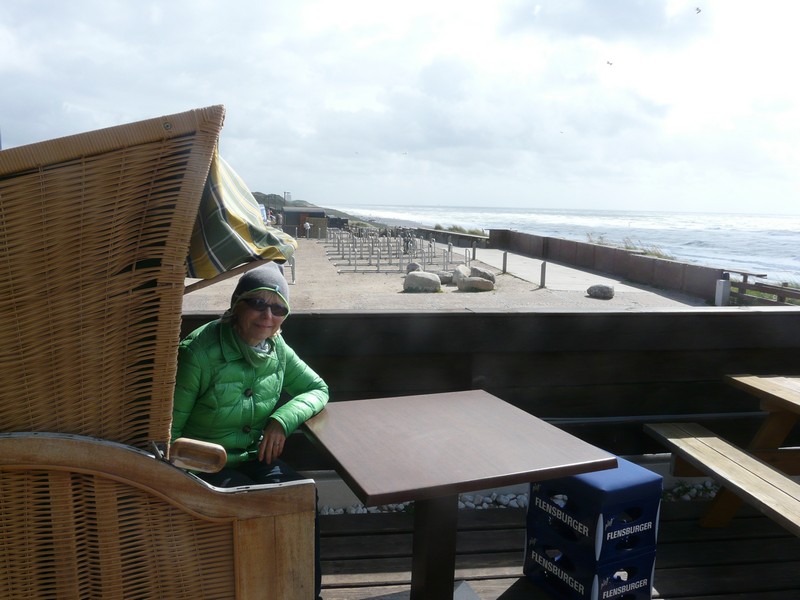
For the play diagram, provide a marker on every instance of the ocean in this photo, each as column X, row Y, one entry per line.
column 753, row 243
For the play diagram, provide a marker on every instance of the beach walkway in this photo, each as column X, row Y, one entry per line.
column 318, row 283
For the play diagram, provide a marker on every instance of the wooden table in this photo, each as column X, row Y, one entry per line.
column 432, row 447
column 780, row 398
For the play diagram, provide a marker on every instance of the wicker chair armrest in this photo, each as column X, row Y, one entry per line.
column 136, row 526
column 197, row 455
column 21, row 451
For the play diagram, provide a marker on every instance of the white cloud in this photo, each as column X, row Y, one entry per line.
column 614, row 104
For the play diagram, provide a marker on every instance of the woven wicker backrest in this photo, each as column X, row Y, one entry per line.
column 94, row 232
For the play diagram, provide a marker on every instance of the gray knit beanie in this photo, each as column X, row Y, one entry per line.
column 267, row 277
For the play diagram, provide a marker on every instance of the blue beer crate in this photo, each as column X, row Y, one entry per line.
column 598, row 516
column 626, row 578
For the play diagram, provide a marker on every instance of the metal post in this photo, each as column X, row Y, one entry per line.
column 543, row 274
column 505, row 261
column 722, row 295
column 779, row 298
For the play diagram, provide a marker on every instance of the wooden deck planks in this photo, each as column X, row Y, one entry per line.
column 753, row 558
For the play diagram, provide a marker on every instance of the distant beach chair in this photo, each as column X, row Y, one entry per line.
column 95, row 231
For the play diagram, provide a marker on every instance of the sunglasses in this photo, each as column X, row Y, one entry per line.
column 261, row 305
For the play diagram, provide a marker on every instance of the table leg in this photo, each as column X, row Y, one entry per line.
column 772, row 433
column 434, row 548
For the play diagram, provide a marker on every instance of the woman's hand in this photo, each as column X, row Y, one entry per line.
column 271, row 445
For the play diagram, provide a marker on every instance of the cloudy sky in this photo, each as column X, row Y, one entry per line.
column 608, row 104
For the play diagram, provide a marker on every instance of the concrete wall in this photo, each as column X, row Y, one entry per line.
column 459, row 240
column 630, row 265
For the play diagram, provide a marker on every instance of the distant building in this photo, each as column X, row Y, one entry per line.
column 295, row 216
column 338, row 222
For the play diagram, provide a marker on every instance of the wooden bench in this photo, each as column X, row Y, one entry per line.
column 758, row 483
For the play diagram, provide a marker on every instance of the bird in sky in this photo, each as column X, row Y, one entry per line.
column 698, row 10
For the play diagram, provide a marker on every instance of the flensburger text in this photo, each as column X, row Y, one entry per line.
column 562, row 516
column 557, row 571
column 624, row 589
column 625, row 531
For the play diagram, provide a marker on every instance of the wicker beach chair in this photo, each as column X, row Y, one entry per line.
column 94, row 235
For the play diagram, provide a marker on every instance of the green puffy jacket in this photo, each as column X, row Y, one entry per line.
column 226, row 391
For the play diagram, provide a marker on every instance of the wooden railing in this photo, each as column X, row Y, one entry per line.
column 757, row 292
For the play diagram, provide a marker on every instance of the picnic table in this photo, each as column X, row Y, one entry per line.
column 760, row 473
column 429, row 448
